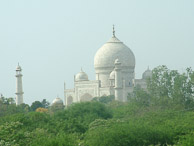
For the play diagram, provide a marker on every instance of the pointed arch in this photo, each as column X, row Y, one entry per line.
column 86, row 97
column 69, row 100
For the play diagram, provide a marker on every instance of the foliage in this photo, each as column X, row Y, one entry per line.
column 42, row 110
column 139, row 96
column 9, row 131
column 78, row 116
column 186, row 140
column 104, row 99
column 161, row 115
column 150, row 127
column 45, row 104
column 35, row 105
column 38, row 104
column 59, row 140
column 94, row 123
column 8, row 107
column 3, row 143
column 6, row 101
column 33, row 127
column 56, row 107
column 169, row 86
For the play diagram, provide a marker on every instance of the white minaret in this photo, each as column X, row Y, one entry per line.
column 19, row 91
column 118, row 81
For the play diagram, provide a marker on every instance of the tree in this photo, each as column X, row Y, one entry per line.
column 24, row 108
column 9, row 131
column 42, row 110
column 36, row 105
column 45, row 104
column 139, row 96
column 6, row 101
column 8, row 106
column 172, row 86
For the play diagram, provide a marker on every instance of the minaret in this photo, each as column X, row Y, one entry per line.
column 19, row 91
column 118, row 81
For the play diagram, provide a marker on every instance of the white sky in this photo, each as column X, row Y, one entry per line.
column 53, row 39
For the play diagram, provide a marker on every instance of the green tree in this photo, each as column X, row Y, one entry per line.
column 78, row 116
column 35, row 105
column 45, row 103
column 6, row 101
column 186, row 140
column 9, row 131
column 169, row 86
column 8, row 106
column 23, row 108
column 139, row 96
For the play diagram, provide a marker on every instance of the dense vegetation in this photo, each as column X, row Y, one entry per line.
column 162, row 115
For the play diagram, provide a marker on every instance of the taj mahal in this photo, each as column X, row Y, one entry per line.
column 114, row 65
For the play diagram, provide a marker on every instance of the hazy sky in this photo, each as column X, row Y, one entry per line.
column 53, row 39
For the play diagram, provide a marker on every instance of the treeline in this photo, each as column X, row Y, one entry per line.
column 161, row 115
column 167, row 88
column 8, row 106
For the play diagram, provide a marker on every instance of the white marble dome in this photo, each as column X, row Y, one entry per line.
column 81, row 76
column 147, row 74
column 112, row 50
column 57, row 101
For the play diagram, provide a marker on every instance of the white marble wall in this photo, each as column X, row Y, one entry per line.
column 19, row 89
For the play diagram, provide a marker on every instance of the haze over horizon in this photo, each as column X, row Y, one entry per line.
column 52, row 40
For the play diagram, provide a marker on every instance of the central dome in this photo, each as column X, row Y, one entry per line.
column 104, row 61
column 114, row 49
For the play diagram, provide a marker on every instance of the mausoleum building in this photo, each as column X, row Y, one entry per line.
column 114, row 65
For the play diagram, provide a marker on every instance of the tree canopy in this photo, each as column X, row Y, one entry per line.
column 161, row 115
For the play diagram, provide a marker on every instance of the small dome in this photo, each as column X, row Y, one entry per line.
column 147, row 74
column 81, row 76
column 112, row 75
column 57, row 101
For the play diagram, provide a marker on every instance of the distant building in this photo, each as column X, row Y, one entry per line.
column 114, row 65
column 19, row 89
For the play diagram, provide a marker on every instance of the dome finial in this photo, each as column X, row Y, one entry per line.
column 113, row 30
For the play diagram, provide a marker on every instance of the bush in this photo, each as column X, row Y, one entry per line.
column 77, row 117
column 59, row 140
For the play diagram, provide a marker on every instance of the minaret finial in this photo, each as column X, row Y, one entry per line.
column 113, row 30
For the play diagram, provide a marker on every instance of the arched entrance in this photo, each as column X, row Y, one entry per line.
column 69, row 100
column 86, row 97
